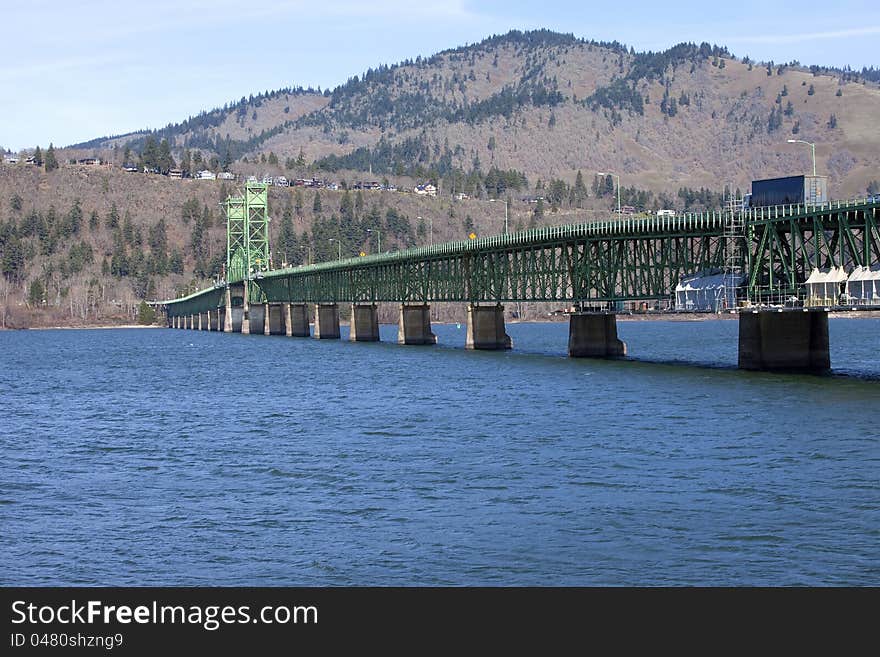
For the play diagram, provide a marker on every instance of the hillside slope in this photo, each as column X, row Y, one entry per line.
column 548, row 105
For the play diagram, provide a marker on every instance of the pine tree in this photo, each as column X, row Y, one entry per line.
column 51, row 161
column 150, row 154
column 579, row 189
column 165, row 161
column 316, row 205
column 112, row 217
column 38, row 156
column 298, row 202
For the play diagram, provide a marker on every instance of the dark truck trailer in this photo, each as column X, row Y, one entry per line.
column 791, row 190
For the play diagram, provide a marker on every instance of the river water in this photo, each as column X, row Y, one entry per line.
column 167, row 457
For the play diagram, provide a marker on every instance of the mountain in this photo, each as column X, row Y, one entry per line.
column 547, row 105
column 514, row 117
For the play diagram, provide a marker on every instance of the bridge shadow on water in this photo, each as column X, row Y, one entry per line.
column 657, row 348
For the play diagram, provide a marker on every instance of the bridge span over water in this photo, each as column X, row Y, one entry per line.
column 764, row 258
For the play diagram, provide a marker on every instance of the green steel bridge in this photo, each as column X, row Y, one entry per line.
column 765, row 254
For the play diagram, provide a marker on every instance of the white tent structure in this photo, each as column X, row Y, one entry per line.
column 707, row 292
column 823, row 286
column 863, row 286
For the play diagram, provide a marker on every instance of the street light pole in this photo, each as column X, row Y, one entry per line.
column 613, row 175
column 378, row 238
column 812, row 150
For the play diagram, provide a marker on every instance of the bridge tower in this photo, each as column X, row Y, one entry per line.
column 247, row 233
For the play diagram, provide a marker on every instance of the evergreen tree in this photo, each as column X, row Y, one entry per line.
column 113, row 217
column 301, row 158
column 93, row 221
column 579, row 189
column 51, row 161
column 316, row 205
column 288, row 246
column 146, row 314
column 150, row 154
column 38, row 156
column 227, row 157
column 165, row 160
column 36, row 293
column 298, row 202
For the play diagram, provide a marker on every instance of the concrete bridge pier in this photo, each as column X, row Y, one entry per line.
column 792, row 340
column 200, row 325
column 274, row 319
column 257, row 317
column 414, row 325
column 326, row 321
column 485, row 328
column 227, row 311
column 594, row 335
column 299, row 320
column 245, row 312
column 364, row 323
column 267, row 319
column 219, row 324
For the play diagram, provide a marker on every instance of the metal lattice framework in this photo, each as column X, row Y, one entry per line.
column 247, row 233
column 638, row 258
column 236, row 239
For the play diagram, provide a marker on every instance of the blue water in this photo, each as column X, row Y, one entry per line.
column 147, row 457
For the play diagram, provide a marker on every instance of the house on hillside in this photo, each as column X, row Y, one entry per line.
column 90, row 161
column 175, row 173
column 425, row 190
column 225, row 175
column 204, row 174
column 10, row 159
column 130, row 168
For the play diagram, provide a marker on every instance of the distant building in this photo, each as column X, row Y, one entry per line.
column 281, row 181
column 90, row 161
column 10, row 159
column 665, row 213
column 226, row 175
column 461, row 196
column 425, row 190
column 130, row 168
column 206, row 175
column 627, row 209
column 175, row 173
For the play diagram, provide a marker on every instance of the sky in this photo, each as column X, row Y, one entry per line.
column 73, row 71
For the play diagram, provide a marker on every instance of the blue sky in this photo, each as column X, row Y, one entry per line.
column 72, row 71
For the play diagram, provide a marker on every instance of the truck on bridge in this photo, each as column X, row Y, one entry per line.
column 790, row 190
